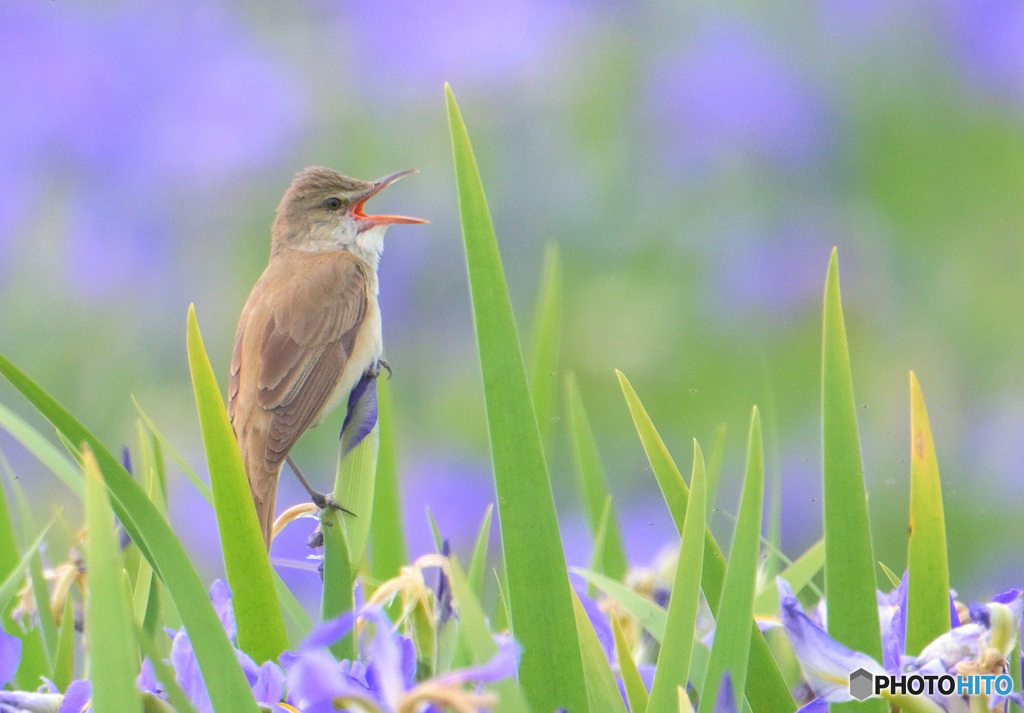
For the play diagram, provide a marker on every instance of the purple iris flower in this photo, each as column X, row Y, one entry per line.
column 75, row 700
column 827, row 664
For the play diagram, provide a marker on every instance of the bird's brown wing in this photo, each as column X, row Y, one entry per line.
column 304, row 350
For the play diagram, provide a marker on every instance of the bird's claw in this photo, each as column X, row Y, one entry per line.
column 380, row 365
column 324, row 501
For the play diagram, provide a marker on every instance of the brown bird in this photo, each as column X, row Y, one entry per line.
column 310, row 332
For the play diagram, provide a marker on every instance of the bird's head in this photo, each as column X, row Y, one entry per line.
column 323, row 210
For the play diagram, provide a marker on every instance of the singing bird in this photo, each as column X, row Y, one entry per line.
column 310, row 333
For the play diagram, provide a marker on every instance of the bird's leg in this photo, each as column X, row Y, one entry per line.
column 321, row 500
column 377, row 367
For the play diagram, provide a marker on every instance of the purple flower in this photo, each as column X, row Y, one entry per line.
column 10, row 656
column 978, row 647
column 385, row 675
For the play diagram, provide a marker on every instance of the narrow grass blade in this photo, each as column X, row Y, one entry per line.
column 731, row 649
column 540, row 599
column 547, row 325
column 715, row 466
column 799, row 575
column 479, row 640
column 674, row 657
column 849, row 559
column 113, row 662
column 592, row 483
column 64, row 662
column 34, row 662
column 387, row 535
column 353, row 490
column 893, row 578
column 178, row 459
column 600, row 538
column 602, row 689
column 479, row 561
column 337, row 593
column 766, row 690
column 225, row 680
column 928, row 584
column 46, row 622
column 636, row 691
column 651, row 617
column 261, row 632
column 44, row 451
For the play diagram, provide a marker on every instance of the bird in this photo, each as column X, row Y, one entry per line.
column 309, row 335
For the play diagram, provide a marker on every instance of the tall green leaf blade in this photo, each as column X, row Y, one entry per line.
column 602, row 689
column 766, row 689
column 337, row 593
column 636, row 691
column 540, row 599
column 261, row 632
column 547, row 323
column 64, row 661
column 479, row 561
column 731, row 648
column 47, row 453
column 110, row 646
column 479, row 640
column 592, row 482
column 354, row 485
column 674, row 657
column 387, row 535
column 849, row 559
column 799, row 574
column 928, row 583
column 226, row 683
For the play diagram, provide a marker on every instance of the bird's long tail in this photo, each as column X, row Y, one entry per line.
column 263, row 486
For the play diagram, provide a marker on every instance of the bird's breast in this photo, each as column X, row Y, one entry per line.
column 366, row 351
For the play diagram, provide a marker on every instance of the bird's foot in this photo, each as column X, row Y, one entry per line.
column 379, row 366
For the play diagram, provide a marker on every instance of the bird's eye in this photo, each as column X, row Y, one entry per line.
column 332, row 203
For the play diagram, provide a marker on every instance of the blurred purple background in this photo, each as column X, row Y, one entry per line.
column 695, row 165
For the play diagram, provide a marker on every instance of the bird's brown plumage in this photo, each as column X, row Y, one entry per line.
column 303, row 354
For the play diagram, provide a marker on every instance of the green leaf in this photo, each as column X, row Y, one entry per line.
column 799, row 574
column 226, row 683
column 928, row 584
column 46, row 623
column 47, row 453
column 64, row 662
column 602, row 689
column 261, row 632
column 540, row 599
column 893, row 578
column 592, row 483
column 112, row 659
column 353, row 490
column 387, row 537
column 636, row 692
column 337, row 594
column 766, row 689
column 289, row 604
column 547, row 322
column 479, row 561
column 731, row 648
column 179, row 460
column 479, row 640
column 715, row 466
column 651, row 617
column 849, row 560
column 34, row 662
column 674, row 657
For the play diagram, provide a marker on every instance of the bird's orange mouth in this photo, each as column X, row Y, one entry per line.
column 369, row 221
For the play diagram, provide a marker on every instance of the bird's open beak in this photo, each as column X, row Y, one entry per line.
column 368, row 221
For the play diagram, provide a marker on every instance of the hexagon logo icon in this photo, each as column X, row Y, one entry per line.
column 860, row 684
